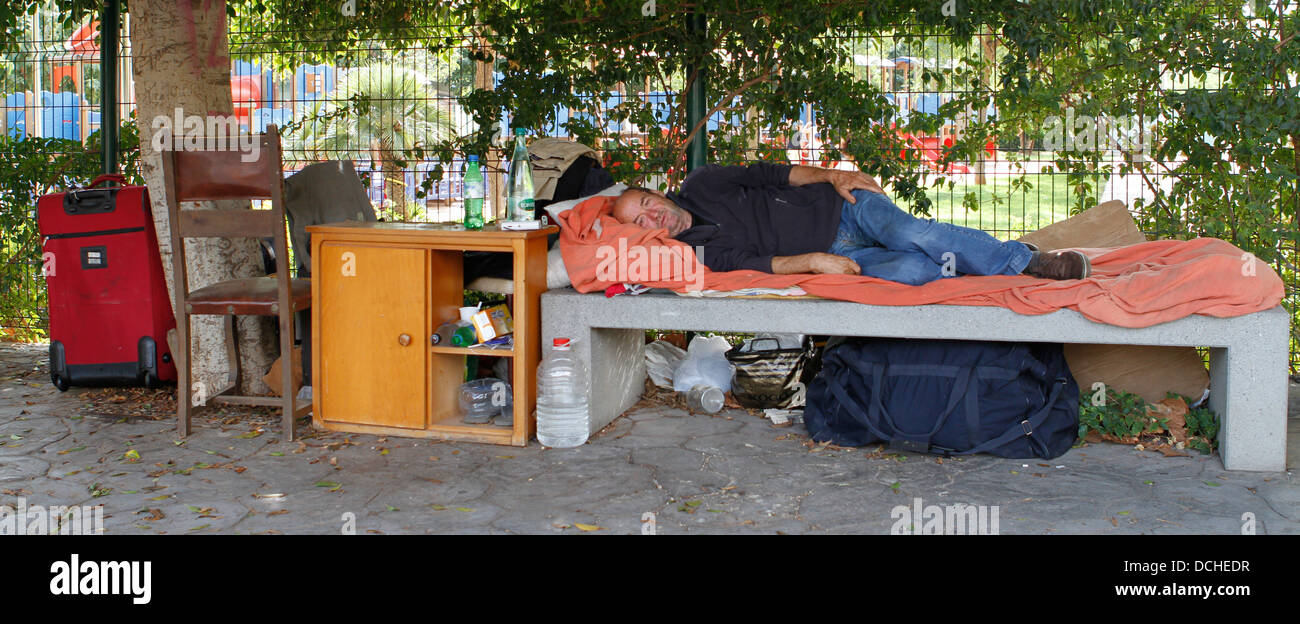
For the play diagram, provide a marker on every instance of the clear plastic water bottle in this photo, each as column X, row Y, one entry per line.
column 562, row 413
column 473, row 195
column 519, row 193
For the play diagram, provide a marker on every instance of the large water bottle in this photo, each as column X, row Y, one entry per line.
column 562, row 414
column 519, row 193
column 473, row 195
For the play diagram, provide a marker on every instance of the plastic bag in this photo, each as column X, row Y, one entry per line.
column 705, row 365
column 661, row 359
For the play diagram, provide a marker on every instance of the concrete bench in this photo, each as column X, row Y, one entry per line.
column 1248, row 354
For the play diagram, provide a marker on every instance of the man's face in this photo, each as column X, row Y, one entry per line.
column 651, row 210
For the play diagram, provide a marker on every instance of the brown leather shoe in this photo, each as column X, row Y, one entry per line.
column 1059, row 265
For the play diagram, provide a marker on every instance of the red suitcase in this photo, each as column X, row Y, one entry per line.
column 109, row 308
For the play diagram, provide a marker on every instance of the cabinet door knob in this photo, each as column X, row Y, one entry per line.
column 404, row 339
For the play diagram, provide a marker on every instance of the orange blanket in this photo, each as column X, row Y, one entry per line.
column 1134, row 286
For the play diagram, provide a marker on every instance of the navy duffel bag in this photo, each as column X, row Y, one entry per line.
column 946, row 397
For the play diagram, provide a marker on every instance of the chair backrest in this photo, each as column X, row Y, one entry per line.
column 221, row 170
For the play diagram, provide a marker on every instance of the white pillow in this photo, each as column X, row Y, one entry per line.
column 554, row 210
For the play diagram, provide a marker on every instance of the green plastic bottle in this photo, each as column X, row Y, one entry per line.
column 473, row 195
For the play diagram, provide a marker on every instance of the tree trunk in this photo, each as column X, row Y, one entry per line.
column 181, row 63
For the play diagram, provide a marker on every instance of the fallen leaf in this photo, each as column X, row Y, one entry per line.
column 278, row 512
column 1171, row 452
column 1113, row 521
column 132, row 455
column 587, row 528
column 250, row 435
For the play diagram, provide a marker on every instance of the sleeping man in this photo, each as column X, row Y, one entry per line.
column 780, row 218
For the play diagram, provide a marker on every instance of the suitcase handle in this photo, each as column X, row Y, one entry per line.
column 108, row 177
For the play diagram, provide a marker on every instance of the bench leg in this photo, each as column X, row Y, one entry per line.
column 1248, row 390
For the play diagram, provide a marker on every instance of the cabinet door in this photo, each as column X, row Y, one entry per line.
column 373, row 334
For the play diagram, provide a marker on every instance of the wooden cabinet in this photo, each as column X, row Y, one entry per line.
column 379, row 290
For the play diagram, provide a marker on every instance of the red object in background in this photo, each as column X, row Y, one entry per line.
column 109, row 308
column 246, row 94
column 928, row 148
column 66, row 71
column 82, row 40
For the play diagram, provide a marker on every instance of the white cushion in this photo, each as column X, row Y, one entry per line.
column 555, row 209
column 556, row 277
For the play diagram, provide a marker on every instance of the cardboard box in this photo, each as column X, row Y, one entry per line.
column 272, row 377
column 1146, row 371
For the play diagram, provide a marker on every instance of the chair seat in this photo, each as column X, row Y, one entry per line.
column 248, row 296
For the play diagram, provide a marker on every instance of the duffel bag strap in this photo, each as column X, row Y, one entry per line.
column 917, row 442
column 1024, row 428
column 853, row 408
column 872, row 419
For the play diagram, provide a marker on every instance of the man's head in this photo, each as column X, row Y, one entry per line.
column 651, row 210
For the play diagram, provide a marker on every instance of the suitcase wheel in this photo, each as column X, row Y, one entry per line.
column 60, row 382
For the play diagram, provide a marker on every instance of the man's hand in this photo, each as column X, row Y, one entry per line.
column 845, row 182
column 816, row 262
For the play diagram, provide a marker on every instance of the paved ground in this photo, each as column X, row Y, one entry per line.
column 732, row 473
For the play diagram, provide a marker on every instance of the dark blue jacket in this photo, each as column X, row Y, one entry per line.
column 755, row 215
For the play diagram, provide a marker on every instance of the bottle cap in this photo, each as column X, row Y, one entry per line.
column 560, row 342
column 472, row 158
column 521, row 131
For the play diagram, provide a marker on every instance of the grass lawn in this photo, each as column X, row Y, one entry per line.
column 1003, row 211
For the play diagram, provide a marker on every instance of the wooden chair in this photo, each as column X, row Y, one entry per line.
column 220, row 175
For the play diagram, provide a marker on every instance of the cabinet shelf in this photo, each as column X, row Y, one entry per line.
column 473, row 351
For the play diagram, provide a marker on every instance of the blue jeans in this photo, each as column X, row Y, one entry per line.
column 891, row 244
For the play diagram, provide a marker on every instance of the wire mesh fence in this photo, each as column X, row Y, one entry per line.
column 393, row 106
